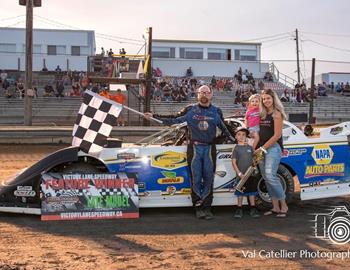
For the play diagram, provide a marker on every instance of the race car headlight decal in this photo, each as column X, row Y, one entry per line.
column 221, row 173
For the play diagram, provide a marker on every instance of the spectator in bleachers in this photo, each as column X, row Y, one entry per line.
column 238, row 96
column 110, row 53
column 189, row 72
column 75, row 91
column 59, row 89
column 3, row 75
column 158, row 72
column 244, row 78
column 298, row 95
column 213, row 82
column 20, row 89
column 122, row 52
column 285, row 96
column 10, row 91
column 345, row 89
column 321, row 90
column 220, row 85
column 227, row 85
column 183, row 93
column 5, row 84
column 167, row 92
column 120, row 98
column 105, row 92
column 157, row 94
column 58, row 69
column 48, row 90
column 268, row 76
column 261, row 85
column 175, row 95
column 338, row 88
column 102, row 52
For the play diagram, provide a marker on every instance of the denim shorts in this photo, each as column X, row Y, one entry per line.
column 254, row 129
column 268, row 168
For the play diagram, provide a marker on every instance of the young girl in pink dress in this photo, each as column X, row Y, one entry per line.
column 252, row 118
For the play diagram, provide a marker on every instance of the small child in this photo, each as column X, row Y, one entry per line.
column 242, row 159
column 252, row 118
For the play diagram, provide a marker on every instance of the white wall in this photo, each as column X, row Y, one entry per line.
column 220, row 68
column 203, row 67
column 45, row 37
column 339, row 77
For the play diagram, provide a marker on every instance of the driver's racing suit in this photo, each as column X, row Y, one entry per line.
column 201, row 151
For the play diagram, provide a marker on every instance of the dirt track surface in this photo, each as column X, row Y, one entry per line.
column 161, row 238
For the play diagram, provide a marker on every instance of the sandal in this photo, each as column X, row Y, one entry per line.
column 271, row 212
column 282, row 214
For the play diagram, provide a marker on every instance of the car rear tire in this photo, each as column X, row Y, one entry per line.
column 263, row 200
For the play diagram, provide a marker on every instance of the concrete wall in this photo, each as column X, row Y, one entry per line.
column 15, row 59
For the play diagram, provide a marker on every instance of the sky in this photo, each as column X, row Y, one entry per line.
column 323, row 25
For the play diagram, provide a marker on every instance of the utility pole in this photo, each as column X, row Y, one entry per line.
column 147, row 106
column 312, row 89
column 297, row 45
column 29, row 64
column 29, row 93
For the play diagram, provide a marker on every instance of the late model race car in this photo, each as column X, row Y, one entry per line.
column 318, row 165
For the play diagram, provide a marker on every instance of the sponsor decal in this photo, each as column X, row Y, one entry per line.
column 322, row 154
column 203, row 125
column 170, row 178
column 24, row 191
column 171, row 190
column 88, row 196
column 293, row 152
column 126, row 156
column 325, row 170
column 225, row 156
column 185, row 190
column 336, row 130
column 169, row 160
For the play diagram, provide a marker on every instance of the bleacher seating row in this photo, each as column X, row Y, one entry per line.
column 63, row 111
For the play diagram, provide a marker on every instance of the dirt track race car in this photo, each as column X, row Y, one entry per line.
column 158, row 164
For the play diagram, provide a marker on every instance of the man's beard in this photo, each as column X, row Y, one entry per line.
column 203, row 100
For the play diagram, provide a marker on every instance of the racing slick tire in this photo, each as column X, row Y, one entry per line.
column 263, row 200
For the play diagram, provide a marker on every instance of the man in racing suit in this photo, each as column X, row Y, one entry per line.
column 202, row 119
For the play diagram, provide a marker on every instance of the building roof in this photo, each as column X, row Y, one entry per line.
column 205, row 42
column 45, row 29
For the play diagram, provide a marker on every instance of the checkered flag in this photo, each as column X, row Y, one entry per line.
column 94, row 123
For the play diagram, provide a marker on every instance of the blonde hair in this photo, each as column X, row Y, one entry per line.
column 277, row 105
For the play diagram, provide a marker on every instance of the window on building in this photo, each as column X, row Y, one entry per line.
column 7, row 47
column 75, row 50
column 163, row 52
column 51, row 50
column 191, row 53
column 36, row 48
column 219, row 54
column 245, row 55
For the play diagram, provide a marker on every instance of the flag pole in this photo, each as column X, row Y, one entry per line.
column 140, row 113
